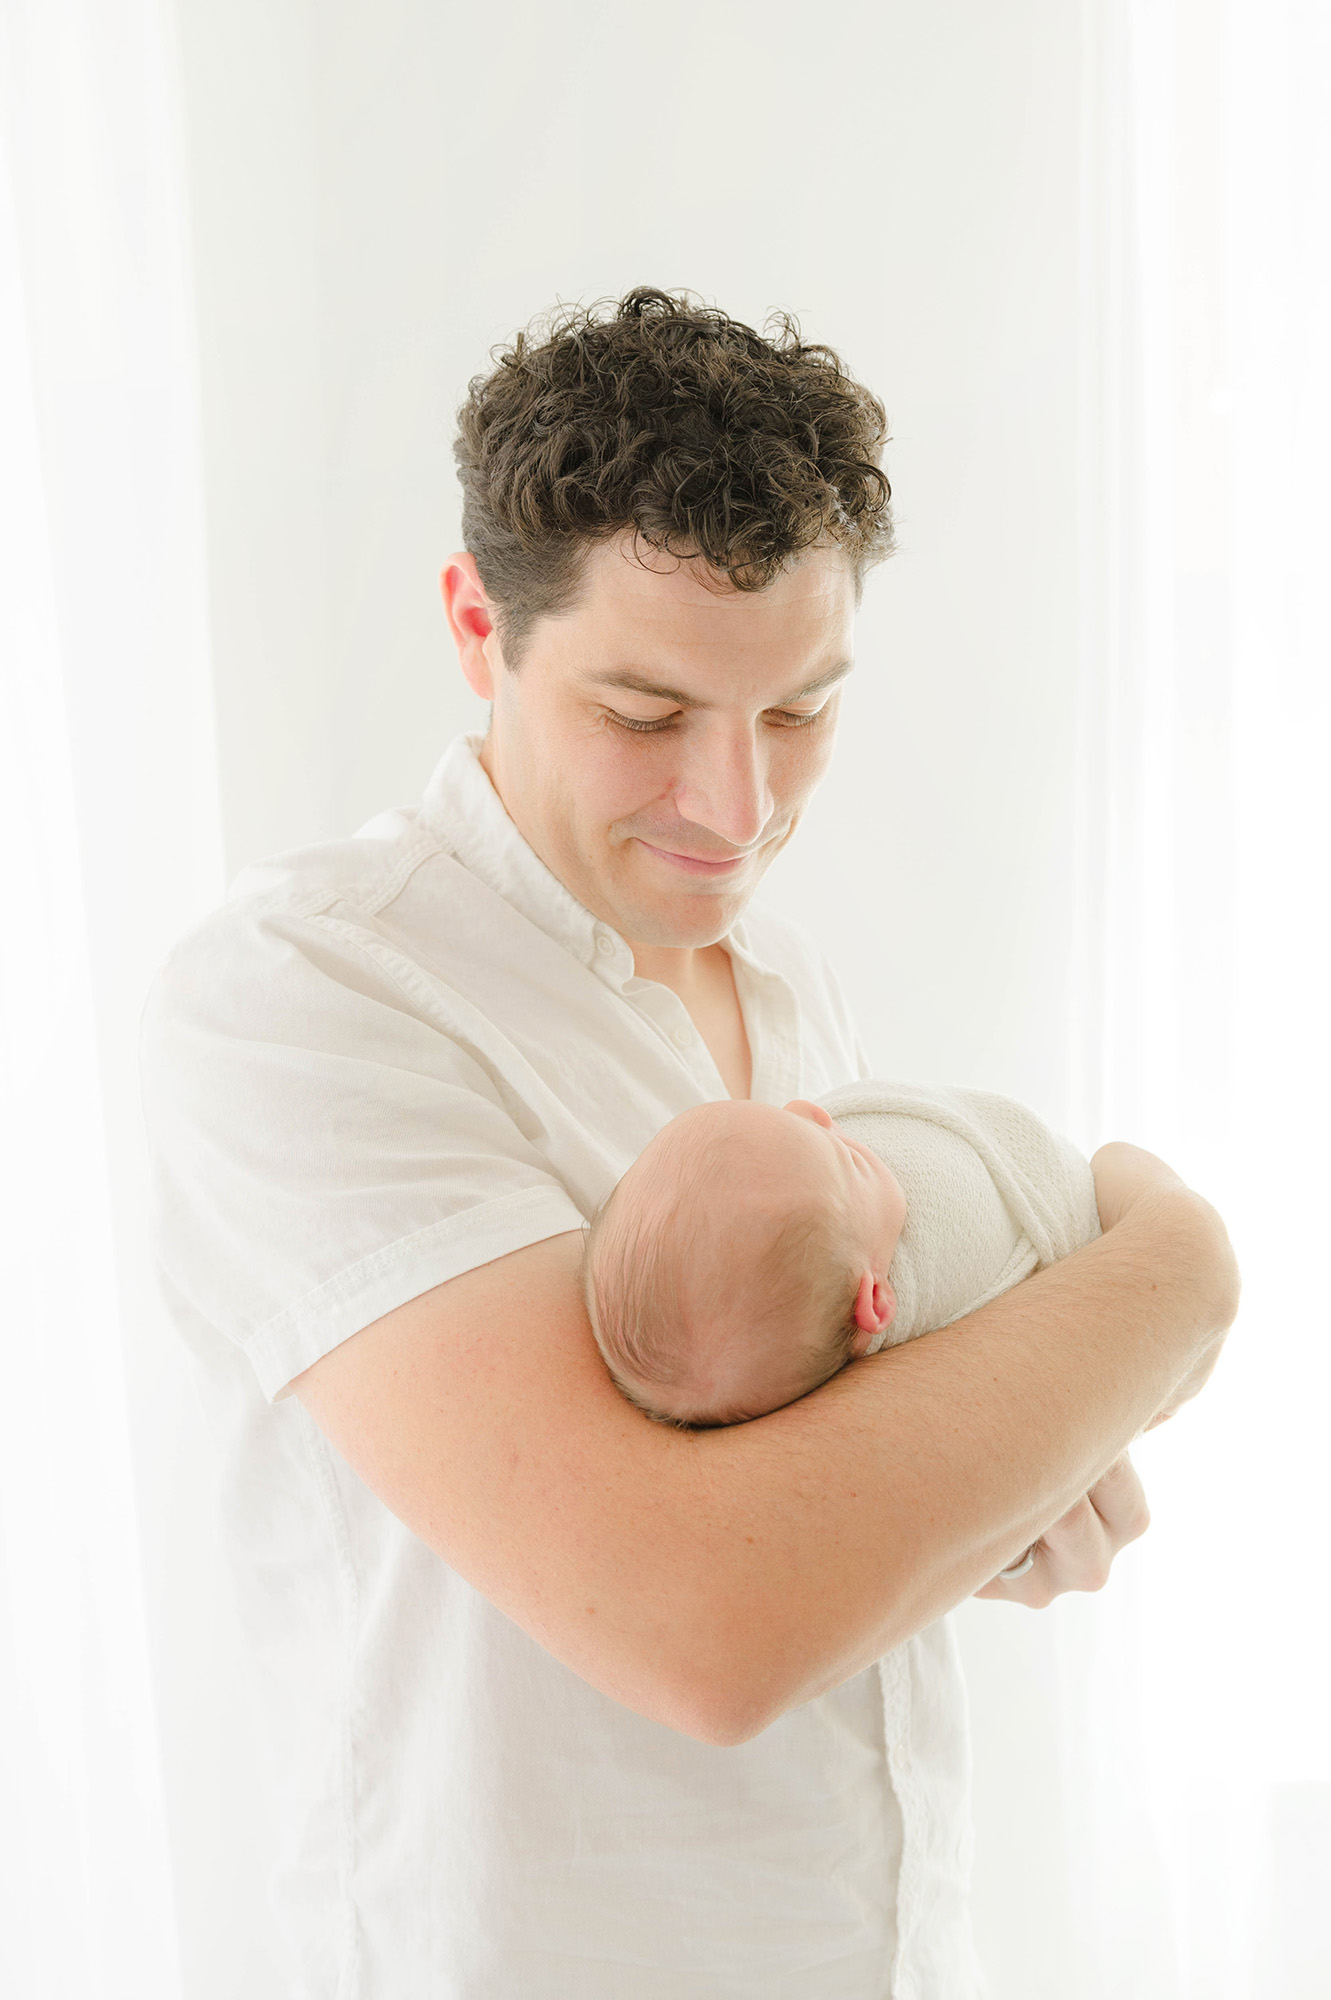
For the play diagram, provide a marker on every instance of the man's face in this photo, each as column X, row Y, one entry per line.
column 659, row 741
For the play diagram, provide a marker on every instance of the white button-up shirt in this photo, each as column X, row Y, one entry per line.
column 386, row 1061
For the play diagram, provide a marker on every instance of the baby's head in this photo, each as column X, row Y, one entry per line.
column 741, row 1261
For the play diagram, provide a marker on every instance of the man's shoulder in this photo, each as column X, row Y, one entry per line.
column 328, row 890
column 361, row 874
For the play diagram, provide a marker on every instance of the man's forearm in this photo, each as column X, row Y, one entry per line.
column 713, row 1580
column 982, row 1436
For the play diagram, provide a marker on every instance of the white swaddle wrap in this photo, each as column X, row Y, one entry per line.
column 992, row 1194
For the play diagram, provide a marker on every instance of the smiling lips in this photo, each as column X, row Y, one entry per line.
column 693, row 864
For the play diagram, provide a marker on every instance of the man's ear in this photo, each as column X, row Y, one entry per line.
column 471, row 621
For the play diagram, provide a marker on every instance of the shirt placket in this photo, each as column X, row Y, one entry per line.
column 673, row 1022
column 772, row 1023
column 894, row 1674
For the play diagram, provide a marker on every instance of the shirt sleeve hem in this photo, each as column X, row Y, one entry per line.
column 284, row 1346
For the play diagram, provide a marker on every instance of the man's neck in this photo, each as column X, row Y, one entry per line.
column 686, row 970
column 705, row 982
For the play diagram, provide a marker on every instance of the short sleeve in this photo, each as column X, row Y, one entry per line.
column 322, row 1151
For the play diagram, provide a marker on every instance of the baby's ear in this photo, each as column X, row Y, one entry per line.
column 875, row 1308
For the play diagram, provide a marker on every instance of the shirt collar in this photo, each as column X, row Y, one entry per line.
column 463, row 808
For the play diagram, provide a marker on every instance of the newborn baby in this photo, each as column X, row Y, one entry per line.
column 750, row 1252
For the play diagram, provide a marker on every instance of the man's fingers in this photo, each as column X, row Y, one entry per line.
column 1034, row 1590
column 1073, row 1555
column 1077, row 1553
column 1120, row 1501
column 1081, row 1548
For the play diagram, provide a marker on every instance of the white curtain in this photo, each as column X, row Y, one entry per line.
column 1197, row 1732
column 108, row 820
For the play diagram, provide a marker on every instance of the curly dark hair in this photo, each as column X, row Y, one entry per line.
column 664, row 416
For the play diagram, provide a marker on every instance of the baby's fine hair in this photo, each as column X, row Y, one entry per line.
column 655, row 1273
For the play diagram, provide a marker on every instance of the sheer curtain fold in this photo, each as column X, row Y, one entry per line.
column 108, row 807
column 1203, row 992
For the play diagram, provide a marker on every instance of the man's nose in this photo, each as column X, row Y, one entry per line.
column 724, row 787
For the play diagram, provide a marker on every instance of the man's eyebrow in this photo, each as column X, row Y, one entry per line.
column 635, row 683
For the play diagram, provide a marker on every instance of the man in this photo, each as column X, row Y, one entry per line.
column 566, row 1703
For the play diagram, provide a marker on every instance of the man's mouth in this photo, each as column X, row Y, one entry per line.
column 697, row 864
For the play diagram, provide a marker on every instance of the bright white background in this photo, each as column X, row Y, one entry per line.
column 1074, row 846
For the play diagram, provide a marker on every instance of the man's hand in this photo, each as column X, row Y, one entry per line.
column 1077, row 1552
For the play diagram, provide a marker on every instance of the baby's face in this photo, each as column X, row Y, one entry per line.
column 775, row 1168
column 831, row 1161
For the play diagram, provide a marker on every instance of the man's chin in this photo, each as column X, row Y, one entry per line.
column 687, row 923
column 688, row 913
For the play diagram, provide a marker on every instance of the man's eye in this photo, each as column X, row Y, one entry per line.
column 785, row 719
column 638, row 727
column 780, row 718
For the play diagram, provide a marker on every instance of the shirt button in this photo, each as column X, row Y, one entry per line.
column 605, row 945
column 683, row 1036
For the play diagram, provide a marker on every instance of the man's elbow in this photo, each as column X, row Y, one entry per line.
column 721, row 1674
column 723, row 1709
column 721, row 1722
